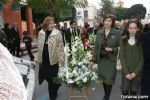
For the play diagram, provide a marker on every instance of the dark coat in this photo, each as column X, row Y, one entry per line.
column 69, row 35
column 27, row 40
column 3, row 39
column 107, row 67
column 16, row 36
column 146, row 71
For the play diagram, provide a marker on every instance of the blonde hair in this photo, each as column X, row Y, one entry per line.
column 47, row 21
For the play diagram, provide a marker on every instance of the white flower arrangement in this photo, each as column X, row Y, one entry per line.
column 91, row 40
column 77, row 70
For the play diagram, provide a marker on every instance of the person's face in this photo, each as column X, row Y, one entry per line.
column 9, row 26
column 15, row 24
column 74, row 25
column 121, row 25
column 96, row 25
column 50, row 26
column 133, row 29
column 107, row 23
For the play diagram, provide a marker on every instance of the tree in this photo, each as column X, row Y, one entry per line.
column 60, row 9
column 119, row 12
column 107, row 7
column 136, row 11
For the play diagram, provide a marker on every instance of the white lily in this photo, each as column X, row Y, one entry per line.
column 84, row 79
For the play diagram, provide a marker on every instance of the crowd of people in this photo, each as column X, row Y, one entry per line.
column 131, row 37
column 10, row 38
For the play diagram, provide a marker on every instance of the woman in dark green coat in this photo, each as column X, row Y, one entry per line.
column 131, row 57
column 105, row 53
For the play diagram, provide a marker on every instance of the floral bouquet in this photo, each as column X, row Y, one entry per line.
column 77, row 69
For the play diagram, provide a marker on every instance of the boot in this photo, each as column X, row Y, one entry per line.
column 107, row 90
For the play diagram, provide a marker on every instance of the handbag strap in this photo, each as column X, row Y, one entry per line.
column 118, row 54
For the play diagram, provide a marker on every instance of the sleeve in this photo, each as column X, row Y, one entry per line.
column 122, row 58
column 140, row 63
column 96, row 48
column 61, row 50
column 67, row 35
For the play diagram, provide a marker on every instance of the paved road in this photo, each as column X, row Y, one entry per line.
column 95, row 91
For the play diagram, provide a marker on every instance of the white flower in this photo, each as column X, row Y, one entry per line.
column 70, row 75
column 74, row 71
column 94, row 76
column 73, row 62
column 74, row 49
column 80, row 63
column 67, row 54
column 84, row 79
column 66, row 48
column 76, row 38
column 70, row 81
column 84, row 67
column 85, row 61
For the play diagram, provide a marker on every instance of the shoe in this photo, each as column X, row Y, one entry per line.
column 105, row 98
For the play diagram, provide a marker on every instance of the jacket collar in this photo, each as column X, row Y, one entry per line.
column 112, row 31
column 54, row 32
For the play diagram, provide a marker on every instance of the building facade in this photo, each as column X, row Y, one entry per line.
column 88, row 14
column 11, row 13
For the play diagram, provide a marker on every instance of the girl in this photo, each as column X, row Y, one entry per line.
column 105, row 53
column 131, row 57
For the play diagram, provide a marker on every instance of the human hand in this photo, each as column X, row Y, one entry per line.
column 133, row 75
column 108, row 49
column 129, row 76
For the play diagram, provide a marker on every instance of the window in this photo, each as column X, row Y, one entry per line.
column 85, row 14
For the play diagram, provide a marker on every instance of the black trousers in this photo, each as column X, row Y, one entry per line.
column 49, row 72
column 16, row 48
column 29, row 52
column 10, row 47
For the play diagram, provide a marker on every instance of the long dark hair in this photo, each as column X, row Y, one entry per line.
column 139, row 33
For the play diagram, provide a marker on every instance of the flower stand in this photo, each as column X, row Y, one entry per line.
column 73, row 90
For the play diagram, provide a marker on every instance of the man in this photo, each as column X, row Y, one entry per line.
column 16, row 40
column 72, row 32
column 3, row 39
column 97, row 27
column 9, row 36
column 145, row 90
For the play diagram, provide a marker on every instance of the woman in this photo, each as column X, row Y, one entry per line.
column 131, row 57
column 105, row 53
column 51, row 55
column 85, row 35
